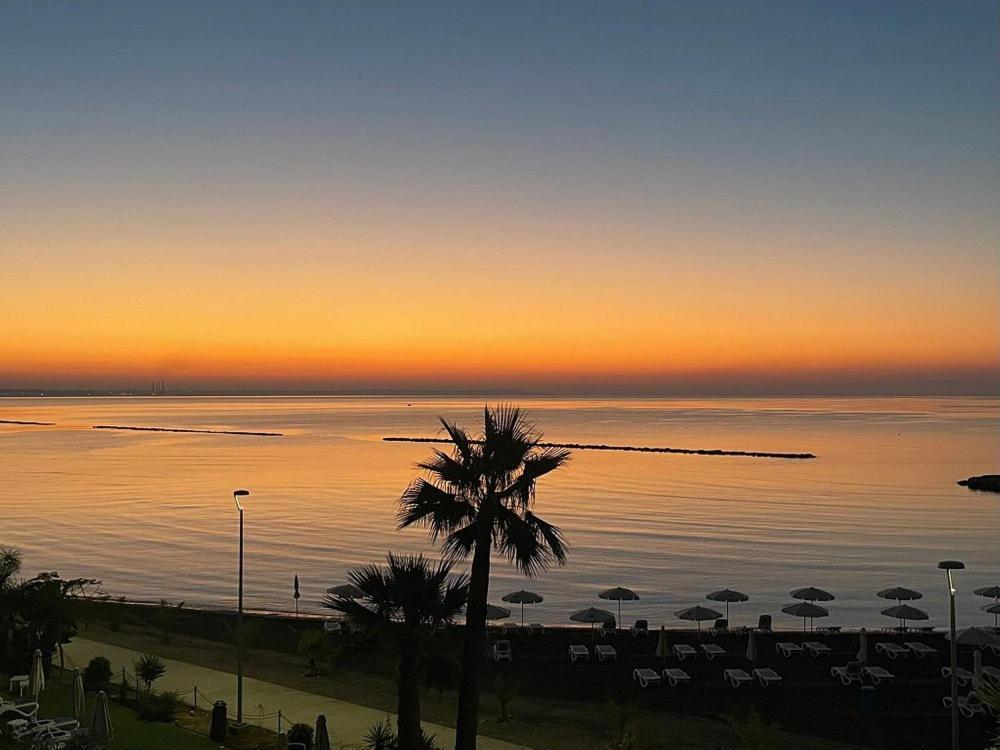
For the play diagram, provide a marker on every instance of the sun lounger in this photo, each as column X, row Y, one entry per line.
column 578, row 651
column 536, row 628
column 711, row 650
column 767, row 676
column 993, row 675
column 684, row 650
column 502, row 651
column 878, row 675
column 19, row 681
column 737, row 677
column 829, row 630
column 20, row 710
column 815, row 648
column 788, row 649
column 892, row 650
column 850, row 672
column 646, row 676
column 508, row 627
column 605, row 651
column 920, row 650
column 968, row 705
column 676, row 676
column 640, row 627
column 962, row 676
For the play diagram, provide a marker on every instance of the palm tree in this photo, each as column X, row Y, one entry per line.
column 479, row 498
column 149, row 669
column 407, row 596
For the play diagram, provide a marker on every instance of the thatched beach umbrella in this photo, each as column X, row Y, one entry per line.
column 523, row 597
column 36, row 678
column 698, row 614
column 900, row 594
column 100, row 725
column 727, row 596
column 593, row 616
column 975, row 637
column 751, row 647
column 812, row 594
column 805, row 610
column 863, row 646
column 346, row 590
column 904, row 612
column 619, row 594
column 321, row 739
column 993, row 609
column 79, row 697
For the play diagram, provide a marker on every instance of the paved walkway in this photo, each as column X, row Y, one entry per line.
column 347, row 721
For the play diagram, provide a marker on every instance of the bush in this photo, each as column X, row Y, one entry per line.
column 301, row 733
column 381, row 737
column 149, row 669
column 162, row 707
column 97, row 674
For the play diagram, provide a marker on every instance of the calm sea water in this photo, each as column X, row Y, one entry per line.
column 152, row 516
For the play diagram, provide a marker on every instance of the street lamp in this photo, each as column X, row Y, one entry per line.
column 237, row 494
column 947, row 566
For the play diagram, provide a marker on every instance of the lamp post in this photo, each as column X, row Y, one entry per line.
column 947, row 566
column 237, row 494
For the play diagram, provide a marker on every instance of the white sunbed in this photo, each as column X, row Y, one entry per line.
column 767, row 676
column 878, row 675
column 846, row 674
column 787, row 649
column 578, row 651
column 646, row 676
column 962, row 676
column 968, row 705
column 737, row 677
column 684, row 650
column 711, row 650
column 676, row 676
column 536, row 627
column 993, row 675
column 892, row 650
column 815, row 648
column 503, row 652
column 605, row 651
column 920, row 650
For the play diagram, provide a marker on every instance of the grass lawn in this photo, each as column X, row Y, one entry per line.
column 130, row 733
column 543, row 723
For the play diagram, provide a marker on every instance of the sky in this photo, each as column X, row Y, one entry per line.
column 623, row 197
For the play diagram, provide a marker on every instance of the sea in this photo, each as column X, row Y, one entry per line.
column 151, row 514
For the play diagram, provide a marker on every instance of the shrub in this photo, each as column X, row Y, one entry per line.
column 301, row 733
column 149, row 669
column 97, row 674
column 162, row 707
column 381, row 737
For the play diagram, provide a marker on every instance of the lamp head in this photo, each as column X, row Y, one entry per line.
column 241, row 493
column 237, row 494
column 951, row 565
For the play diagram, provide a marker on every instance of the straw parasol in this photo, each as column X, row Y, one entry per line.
column 993, row 609
column 863, row 646
column 812, row 594
column 523, row 597
column 321, row 739
column 975, row 637
column 699, row 614
column 751, row 647
column 900, row 594
column 79, row 697
column 727, row 596
column 100, row 725
column 346, row 590
column 36, row 678
column 619, row 594
column 805, row 610
column 904, row 612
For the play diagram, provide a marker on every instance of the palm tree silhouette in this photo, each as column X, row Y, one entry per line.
column 407, row 596
column 477, row 499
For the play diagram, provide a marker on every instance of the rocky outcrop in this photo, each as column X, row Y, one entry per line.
column 986, row 483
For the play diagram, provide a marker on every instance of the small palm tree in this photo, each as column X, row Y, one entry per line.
column 408, row 596
column 479, row 498
column 149, row 669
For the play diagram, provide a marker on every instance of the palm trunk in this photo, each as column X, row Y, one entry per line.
column 467, row 724
column 408, row 706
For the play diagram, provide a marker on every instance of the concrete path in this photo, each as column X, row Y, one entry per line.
column 347, row 721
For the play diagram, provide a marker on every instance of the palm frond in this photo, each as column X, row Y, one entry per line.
column 522, row 488
column 426, row 504
column 460, row 542
column 463, row 443
column 527, row 541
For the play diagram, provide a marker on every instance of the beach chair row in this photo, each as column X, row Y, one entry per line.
column 675, row 676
